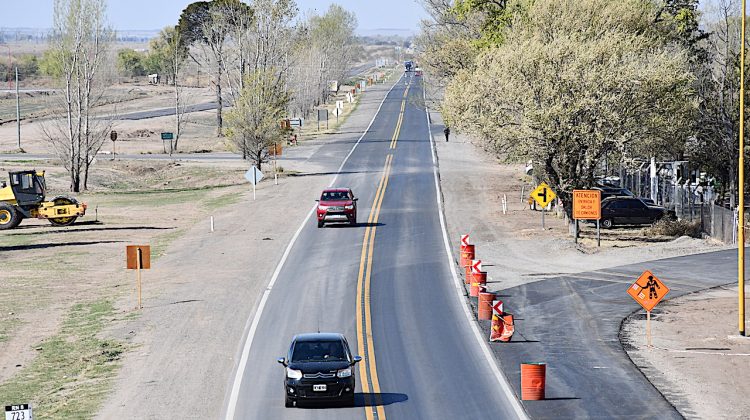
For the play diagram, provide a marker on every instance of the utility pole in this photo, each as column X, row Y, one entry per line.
column 18, row 111
column 741, row 210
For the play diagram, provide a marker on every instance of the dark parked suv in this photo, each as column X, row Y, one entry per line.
column 631, row 211
column 319, row 367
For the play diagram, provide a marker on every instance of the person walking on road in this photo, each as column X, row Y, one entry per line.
column 447, row 133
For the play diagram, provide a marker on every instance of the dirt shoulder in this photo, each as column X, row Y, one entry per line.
column 696, row 356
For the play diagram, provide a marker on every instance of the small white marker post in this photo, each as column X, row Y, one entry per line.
column 275, row 174
column 212, row 223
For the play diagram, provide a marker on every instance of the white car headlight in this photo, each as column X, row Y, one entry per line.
column 349, row 207
column 321, row 207
column 344, row 373
column 293, row 373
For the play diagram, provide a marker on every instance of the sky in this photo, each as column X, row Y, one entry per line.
column 374, row 16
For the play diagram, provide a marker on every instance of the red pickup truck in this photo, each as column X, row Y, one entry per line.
column 337, row 205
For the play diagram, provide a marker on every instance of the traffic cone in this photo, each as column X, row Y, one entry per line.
column 477, row 283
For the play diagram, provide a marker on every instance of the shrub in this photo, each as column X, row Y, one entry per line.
column 676, row 228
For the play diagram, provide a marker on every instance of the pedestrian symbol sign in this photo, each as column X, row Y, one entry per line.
column 543, row 194
column 648, row 290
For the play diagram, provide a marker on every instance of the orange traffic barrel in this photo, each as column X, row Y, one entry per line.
column 469, row 275
column 532, row 381
column 484, row 311
column 478, row 280
column 467, row 254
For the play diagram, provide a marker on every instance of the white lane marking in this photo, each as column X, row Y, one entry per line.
column 492, row 363
column 232, row 406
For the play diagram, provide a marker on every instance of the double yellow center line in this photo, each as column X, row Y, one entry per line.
column 368, row 369
column 396, row 133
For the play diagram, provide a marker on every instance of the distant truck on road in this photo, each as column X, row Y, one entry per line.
column 408, row 65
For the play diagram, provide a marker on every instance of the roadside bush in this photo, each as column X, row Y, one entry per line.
column 675, row 228
column 131, row 62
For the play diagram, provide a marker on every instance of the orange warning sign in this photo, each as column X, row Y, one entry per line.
column 648, row 290
column 587, row 204
column 131, row 256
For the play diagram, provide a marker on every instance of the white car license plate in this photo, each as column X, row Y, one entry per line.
column 321, row 387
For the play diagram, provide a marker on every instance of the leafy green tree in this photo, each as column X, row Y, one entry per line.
column 131, row 63
column 50, row 64
column 165, row 54
column 253, row 124
column 575, row 81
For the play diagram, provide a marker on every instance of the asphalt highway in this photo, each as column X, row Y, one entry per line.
column 386, row 284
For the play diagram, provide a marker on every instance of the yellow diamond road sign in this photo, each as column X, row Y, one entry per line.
column 543, row 194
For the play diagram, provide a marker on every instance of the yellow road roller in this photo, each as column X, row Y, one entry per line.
column 25, row 198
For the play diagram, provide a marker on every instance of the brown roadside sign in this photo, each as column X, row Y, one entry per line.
column 131, row 255
column 648, row 290
column 587, row 204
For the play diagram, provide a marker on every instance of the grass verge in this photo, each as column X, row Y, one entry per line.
column 74, row 369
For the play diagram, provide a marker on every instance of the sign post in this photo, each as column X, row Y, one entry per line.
column 113, row 137
column 165, row 137
column 322, row 115
column 254, row 175
column 543, row 195
column 587, row 205
column 648, row 291
column 138, row 257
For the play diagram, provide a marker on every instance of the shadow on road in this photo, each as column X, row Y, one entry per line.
column 43, row 246
column 361, row 399
column 326, row 173
column 371, row 399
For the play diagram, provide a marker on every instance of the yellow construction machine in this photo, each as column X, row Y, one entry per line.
column 24, row 198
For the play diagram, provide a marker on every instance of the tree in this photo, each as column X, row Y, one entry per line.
column 167, row 56
column 253, row 124
column 51, row 64
column 447, row 43
column 209, row 24
column 79, row 41
column 573, row 81
column 716, row 142
column 332, row 36
column 131, row 63
column 323, row 49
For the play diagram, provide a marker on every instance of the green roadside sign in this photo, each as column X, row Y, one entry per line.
column 167, row 136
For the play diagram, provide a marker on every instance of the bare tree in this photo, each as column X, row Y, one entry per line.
column 80, row 41
column 324, row 51
column 717, row 137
